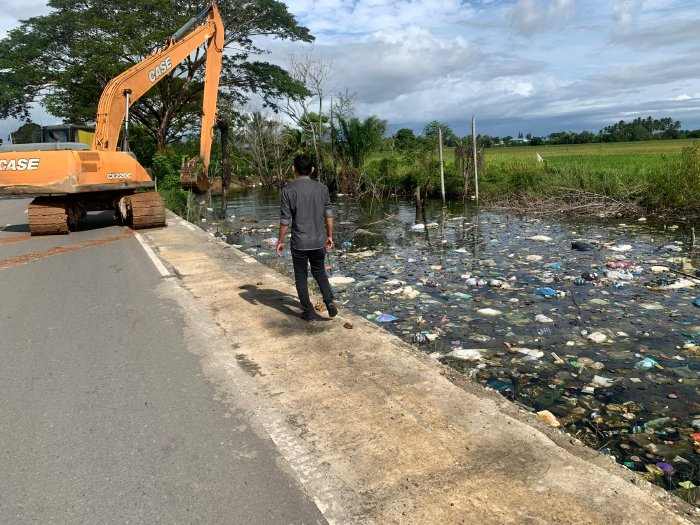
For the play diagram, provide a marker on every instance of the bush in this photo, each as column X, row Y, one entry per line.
column 166, row 171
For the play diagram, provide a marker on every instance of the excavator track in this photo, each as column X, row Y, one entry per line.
column 147, row 210
column 48, row 216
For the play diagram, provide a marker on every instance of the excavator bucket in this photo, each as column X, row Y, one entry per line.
column 192, row 176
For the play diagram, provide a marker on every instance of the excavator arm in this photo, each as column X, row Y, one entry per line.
column 125, row 89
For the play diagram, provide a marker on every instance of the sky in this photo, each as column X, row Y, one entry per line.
column 517, row 66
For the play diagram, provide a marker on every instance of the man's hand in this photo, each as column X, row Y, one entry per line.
column 280, row 238
column 329, row 244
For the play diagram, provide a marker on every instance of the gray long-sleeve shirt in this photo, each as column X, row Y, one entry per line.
column 305, row 204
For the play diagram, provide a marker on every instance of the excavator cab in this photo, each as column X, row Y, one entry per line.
column 65, row 133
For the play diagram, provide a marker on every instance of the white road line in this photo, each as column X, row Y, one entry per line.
column 158, row 263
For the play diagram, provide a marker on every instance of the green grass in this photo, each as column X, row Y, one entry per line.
column 659, row 176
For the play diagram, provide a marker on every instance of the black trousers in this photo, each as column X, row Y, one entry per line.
column 301, row 260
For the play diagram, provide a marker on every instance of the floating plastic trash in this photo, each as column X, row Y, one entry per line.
column 419, row 338
column 601, row 381
column 647, row 362
column 528, row 351
column 618, row 264
column 385, row 318
column 615, row 275
column 696, row 302
column 500, row 386
column 580, row 282
column 666, row 467
column 651, row 306
column 597, row 337
column 542, row 238
column 489, row 311
column 546, row 292
column 541, row 318
column 582, row 246
column 658, row 422
column 620, row 247
column 467, row 354
column 339, row 279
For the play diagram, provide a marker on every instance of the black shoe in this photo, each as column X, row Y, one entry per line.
column 332, row 310
column 307, row 316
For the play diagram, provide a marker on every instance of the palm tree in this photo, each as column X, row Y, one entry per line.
column 355, row 139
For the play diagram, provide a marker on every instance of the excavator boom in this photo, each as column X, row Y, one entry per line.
column 125, row 89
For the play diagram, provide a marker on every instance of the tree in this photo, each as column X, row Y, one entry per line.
column 404, row 139
column 64, row 60
column 641, row 129
column 430, row 131
column 356, row 138
column 268, row 147
column 25, row 133
column 312, row 73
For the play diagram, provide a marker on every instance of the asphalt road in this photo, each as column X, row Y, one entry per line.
column 105, row 415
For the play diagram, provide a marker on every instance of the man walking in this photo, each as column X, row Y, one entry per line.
column 306, row 205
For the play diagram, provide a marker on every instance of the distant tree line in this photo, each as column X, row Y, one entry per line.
column 636, row 130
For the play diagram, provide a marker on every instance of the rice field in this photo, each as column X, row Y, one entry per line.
column 655, row 176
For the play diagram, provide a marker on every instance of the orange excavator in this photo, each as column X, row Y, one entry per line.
column 72, row 178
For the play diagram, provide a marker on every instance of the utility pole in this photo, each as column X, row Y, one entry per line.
column 442, row 168
column 476, row 170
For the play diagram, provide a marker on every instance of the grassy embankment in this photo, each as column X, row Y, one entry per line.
column 654, row 176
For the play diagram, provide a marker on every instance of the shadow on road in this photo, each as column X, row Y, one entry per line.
column 280, row 301
column 17, row 228
column 93, row 221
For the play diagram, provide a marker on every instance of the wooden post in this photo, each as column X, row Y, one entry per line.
column 465, row 175
column 332, row 144
column 225, row 166
column 476, row 171
column 442, row 168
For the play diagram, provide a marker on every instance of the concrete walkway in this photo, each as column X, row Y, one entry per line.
column 376, row 431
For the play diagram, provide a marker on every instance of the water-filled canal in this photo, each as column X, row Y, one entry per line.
column 584, row 319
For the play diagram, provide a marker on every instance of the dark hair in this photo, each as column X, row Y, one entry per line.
column 303, row 164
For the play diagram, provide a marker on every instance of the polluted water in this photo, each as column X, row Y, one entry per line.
column 594, row 325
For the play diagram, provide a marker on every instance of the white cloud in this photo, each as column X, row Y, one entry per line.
column 536, row 65
column 386, row 64
column 331, row 17
column 625, row 13
column 528, row 17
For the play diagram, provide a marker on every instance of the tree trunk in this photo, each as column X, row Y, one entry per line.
column 225, row 165
column 317, row 147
